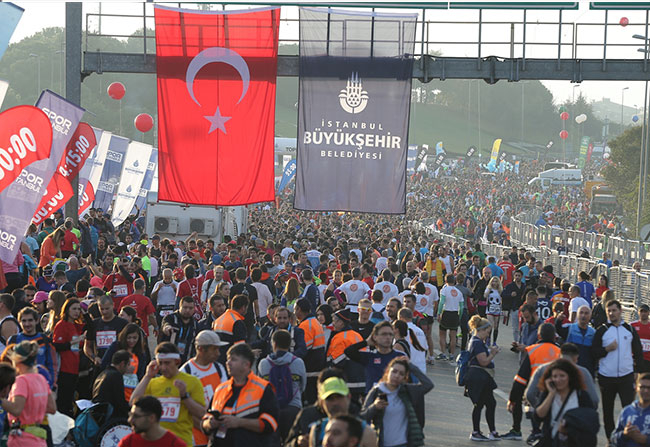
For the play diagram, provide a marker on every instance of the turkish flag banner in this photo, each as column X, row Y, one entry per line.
column 216, row 73
column 25, row 137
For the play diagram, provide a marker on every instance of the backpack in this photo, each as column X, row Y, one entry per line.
column 377, row 315
column 88, row 423
column 281, row 379
column 462, row 365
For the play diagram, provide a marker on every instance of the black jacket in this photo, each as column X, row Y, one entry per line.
column 109, row 387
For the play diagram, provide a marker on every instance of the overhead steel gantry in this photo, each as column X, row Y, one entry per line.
column 429, row 67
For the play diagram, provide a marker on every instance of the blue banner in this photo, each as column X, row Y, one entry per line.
column 107, row 187
column 141, row 201
column 10, row 15
column 287, row 176
column 353, row 111
column 439, row 148
column 18, row 202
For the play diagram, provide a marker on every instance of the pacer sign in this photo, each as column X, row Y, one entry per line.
column 25, row 137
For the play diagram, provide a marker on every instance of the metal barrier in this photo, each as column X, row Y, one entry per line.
column 630, row 287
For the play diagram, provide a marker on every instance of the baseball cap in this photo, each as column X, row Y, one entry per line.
column 47, row 271
column 333, row 385
column 344, row 314
column 39, row 297
column 208, row 338
column 644, row 307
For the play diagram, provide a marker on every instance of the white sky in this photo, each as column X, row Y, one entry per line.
column 589, row 25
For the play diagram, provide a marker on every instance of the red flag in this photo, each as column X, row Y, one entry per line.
column 57, row 194
column 86, row 198
column 216, row 105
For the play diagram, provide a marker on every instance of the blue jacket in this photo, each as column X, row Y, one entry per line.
column 636, row 415
column 45, row 351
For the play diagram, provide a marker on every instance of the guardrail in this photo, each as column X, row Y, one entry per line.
column 631, row 287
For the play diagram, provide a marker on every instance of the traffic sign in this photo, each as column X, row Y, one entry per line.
column 619, row 5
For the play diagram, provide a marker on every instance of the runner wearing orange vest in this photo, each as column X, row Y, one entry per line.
column 342, row 337
column 315, row 341
column 536, row 355
column 231, row 326
column 204, row 366
column 246, row 405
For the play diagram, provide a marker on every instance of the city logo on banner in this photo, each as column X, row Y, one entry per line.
column 353, row 97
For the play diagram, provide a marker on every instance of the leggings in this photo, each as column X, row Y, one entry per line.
column 485, row 400
column 66, row 386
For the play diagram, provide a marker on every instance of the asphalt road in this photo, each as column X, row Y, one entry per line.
column 448, row 412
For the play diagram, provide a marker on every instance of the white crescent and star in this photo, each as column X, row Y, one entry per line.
column 217, row 54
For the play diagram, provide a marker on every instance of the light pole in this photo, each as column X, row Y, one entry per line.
column 573, row 96
column 643, row 158
column 622, row 102
column 38, row 59
column 62, row 53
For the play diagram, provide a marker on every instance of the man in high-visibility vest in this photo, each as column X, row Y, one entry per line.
column 315, row 341
column 231, row 326
column 244, row 408
column 342, row 337
column 535, row 355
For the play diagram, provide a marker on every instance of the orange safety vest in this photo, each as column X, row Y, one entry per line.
column 314, row 334
column 226, row 322
column 248, row 402
column 539, row 354
column 339, row 342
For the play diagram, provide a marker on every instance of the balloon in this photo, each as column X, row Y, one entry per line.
column 564, row 134
column 635, row 118
column 564, row 116
column 116, row 90
column 624, row 21
column 581, row 118
column 143, row 122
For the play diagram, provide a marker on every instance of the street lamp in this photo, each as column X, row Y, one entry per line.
column 573, row 96
column 38, row 59
column 622, row 101
column 644, row 141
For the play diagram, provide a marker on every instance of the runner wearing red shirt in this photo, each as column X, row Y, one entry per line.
column 142, row 305
column 70, row 241
column 642, row 327
column 191, row 286
column 144, row 417
column 119, row 283
column 508, row 269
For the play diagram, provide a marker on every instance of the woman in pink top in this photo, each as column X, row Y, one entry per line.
column 29, row 400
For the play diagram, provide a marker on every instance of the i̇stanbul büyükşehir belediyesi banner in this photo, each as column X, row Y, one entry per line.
column 353, row 113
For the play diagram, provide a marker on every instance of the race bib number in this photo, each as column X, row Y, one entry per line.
column 171, row 407
column 164, row 313
column 105, row 338
column 74, row 347
column 646, row 344
column 130, row 380
column 121, row 290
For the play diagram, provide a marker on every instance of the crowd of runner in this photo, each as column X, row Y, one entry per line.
column 317, row 328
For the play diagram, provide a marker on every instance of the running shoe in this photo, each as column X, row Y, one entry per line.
column 478, row 436
column 512, row 436
column 532, row 438
column 441, row 356
column 430, row 360
column 494, row 436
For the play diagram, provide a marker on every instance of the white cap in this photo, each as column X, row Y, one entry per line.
column 208, row 338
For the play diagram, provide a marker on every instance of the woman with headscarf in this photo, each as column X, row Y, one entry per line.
column 29, row 400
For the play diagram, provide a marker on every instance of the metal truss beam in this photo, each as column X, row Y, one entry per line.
column 491, row 69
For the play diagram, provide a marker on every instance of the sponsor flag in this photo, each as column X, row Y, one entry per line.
column 141, row 201
column 287, row 176
column 4, row 86
column 353, row 112
column 422, row 154
column 439, row 159
column 439, row 148
column 590, row 150
column 495, row 150
column 92, row 170
column 503, row 156
column 59, row 190
column 584, row 148
column 517, row 167
column 410, row 158
column 470, row 151
column 133, row 172
column 25, row 137
column 216, row 74
column 10, row 15
column 19, row 201
column 110, row 176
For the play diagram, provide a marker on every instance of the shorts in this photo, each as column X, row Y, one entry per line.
column 449, row 320
column 427, row 319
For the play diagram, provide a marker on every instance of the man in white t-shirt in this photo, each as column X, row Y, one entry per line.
column 576, row 302
column 382, row 262
column 450, row 308
column 355, row 290
column 387, row 288
column 444, row 256
column 164, row 294
column 426, row 302
column 287, row 250
column 418, row 356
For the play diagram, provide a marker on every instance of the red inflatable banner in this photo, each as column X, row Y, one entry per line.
column 216, row 75
column 58, row 192
column 25, row 137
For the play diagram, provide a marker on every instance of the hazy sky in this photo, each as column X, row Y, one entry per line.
column 589, row 25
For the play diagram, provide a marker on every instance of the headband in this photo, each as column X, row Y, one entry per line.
column 170, row 355
column 485, row 326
